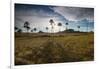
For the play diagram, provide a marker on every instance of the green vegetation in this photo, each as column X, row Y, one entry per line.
column 40, row 48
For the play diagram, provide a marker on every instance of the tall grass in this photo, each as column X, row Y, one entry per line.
column 54, row 49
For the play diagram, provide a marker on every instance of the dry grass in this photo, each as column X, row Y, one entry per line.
column 39, row 49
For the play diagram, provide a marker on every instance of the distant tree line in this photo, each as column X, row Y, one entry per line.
column 52, row 23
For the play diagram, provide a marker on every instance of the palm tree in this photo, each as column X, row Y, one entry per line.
column 59, row 24
column 35, row 29
column 47, row 28
column 66, row 26
column 32, row 30
column 16, row 28
column 26, row 25
column 78, row 28
column 52, row 24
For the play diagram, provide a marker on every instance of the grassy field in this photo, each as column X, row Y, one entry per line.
column 35, row 48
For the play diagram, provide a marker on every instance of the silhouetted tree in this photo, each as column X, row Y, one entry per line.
column 16, row 28
column 19, row 30
column 26, row 25
column 59, row 24
column 35, row 29
column 66, row 26
column 47, row 28
column 71, row 30
column 32, row 30
column 40, row 31
column 52, row 24
column 78, row 27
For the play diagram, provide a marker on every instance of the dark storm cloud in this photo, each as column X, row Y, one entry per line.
column 39, row 16
column 85, row 12
column 75, row 13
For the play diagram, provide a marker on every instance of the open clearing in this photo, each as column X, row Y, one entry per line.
column 35, row 48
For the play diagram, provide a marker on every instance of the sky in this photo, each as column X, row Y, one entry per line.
column 39, row 16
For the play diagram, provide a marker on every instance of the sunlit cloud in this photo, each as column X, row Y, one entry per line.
column 38, row 16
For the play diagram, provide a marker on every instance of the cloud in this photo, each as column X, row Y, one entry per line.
column 39, row 16
column 75, row 13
